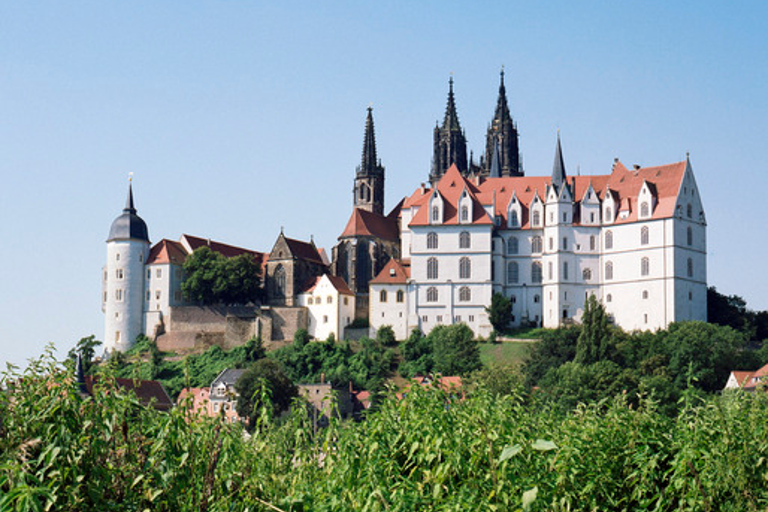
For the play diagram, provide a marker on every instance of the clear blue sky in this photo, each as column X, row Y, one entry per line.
column 240, row 117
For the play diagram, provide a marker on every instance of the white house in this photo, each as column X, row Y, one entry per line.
column 388, row 303
column 331, row 306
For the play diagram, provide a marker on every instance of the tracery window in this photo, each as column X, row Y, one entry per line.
column 513, row 272
column 536, row 218
column 435, row 214
column 644, row 235
column 432, row 268
column 464, row 240
column 536, row 272
column 512, row 246
column 513, row 220
column 465, row 268
column 536, row 244
column 464, row 213
column 431, row 294
column 465, row 294
column 431, row 240
column 609, row 239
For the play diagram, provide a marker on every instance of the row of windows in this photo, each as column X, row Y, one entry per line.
column 464, row 240
column 439, row 318
column 399, row 296
column 645, row 236
column 328, row 300
column 465, row 294
column 465, row 268
column 645, row 268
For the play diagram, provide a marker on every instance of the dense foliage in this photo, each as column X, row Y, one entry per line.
column 499, row 312
column 212, row 278
column 429, row 451
column 264, row 383
column 447, row 349
column 732, row 311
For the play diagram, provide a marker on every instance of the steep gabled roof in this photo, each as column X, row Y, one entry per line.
column 451, row 185
column 167, row 251
column 228, row 377
column 337, row 282
column 304, row 250
column 230, row 251
column 394, row 272
column 365, row 223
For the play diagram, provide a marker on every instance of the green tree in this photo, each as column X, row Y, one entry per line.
column 499, row 312
column 417, row 355
column 86, row 347
column 212, row 278
column 454, row 349
column 242, row 276
column 265, row 378
column 594, row 341
column 386, row 336
column 555, row 348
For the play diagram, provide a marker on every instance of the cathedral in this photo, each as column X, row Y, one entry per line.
column 633, row 237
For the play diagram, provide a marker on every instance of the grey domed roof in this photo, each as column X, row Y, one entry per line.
column 128, row 224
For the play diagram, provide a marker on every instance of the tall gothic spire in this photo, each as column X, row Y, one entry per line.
column 370, row 164
column 451, row 120
column 558, row 167
column 502, row 133
column 369, row 179
column 450, row 145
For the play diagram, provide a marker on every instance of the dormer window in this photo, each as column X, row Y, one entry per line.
column 536, row 218
column 464, row 214
column 644, row 209
column 608, row 214
column 435, row 214
column 513, row 219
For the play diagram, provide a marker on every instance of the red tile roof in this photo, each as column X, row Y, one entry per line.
column 624, row 184
column 229, row 251
column 365, row 223
column 167, row 251
column 394, row 272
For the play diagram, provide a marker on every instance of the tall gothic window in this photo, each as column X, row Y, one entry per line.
column 644, row 235
column 608, row 270
column 513, row 272
column 464, row 240
column 280, row 281
column 689, row 211
column 432, row 268
column 435, row 214
column 690, row 267
column 464, row 213
column 536, row 244
column 536, row 218
column 645, row 267
column 512, row 247
column 465, row 294
column 689, row 235
column 383, row 296
column 644, row 209
column 431, row 294
column 431, row 240
column 465, row 268
column 591, row 242
column 609, row 239
column 400, row 296
column 536, row 272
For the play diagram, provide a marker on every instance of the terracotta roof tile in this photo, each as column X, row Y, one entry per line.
column 450, row 187
column 227, row 250
column 167, row 251
column 365, row 223
column 394, row 272
column 337, row 282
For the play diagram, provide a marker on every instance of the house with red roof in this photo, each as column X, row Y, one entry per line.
column 330, row 305
column 748, row 380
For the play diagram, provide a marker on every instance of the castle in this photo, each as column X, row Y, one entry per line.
column 635, row 238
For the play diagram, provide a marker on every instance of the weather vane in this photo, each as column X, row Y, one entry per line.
column 130, row 176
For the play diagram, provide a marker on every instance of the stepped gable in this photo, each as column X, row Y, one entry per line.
column 450, row 187
column 167, row 251
column 304, row 250
column 394, row 272
column 365, row 223
column 230, row 251
column 337, row 282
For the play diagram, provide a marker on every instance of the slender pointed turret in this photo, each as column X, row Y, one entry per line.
column 450, row 144
column 558, row 168
column 369, row 178
column 502, row 133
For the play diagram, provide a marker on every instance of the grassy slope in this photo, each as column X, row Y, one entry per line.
column 509, row 353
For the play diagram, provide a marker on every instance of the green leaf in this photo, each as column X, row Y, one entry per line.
column 543, row 446
column 529, row 497
column 510, row 451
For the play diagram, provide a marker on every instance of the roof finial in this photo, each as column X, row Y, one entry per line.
column 130, row 176
column 281, row 230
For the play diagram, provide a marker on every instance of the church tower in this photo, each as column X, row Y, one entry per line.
column 502, row 154
column 369, row 179
column 123, row 279
column 450, row 144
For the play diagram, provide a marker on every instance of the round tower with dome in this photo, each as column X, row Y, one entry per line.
column 123, row 280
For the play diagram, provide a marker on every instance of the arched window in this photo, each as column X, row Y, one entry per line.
column 383, row 296
column 608, row 216
column 645, row 267
column 689, row 235
column 690, row 267
column 586, row 274
column 400, row 296
column 536, row 217
column 513, row 272
column 432, row 268
column 608, row 270
column 280, row 281
column 465, row 294
column 536, row 272
column 513, row 220
column 464, row 213
column 644, row 235
column 536, row 244
column 435, row 214
column 431, row 240
column 465, row 268
column 591, row 242
column 689, row 211
column 431, row 294
column 464, row 240
column 644, row 210
column 609, row 239
column 512, row 247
